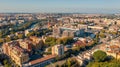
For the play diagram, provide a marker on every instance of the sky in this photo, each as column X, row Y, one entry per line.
column 60, row 6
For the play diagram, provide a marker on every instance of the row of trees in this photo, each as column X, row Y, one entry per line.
column 51, row 41
column 69, row 63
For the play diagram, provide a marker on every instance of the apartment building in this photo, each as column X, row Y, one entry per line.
column 58, row 50
column 16, row 53
column 67, row 31
column 37, row 42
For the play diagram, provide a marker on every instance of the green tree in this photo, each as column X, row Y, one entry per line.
column 102, row 35
column 7, row 39
column 31, row 34
column 57, row 65
column 5, row 61
column 96, row 39
column 7, row 65
column 99, row 56
column 103, row 31
column 67, row 40
column 114, row 33
column 69, row 63
column 59, row 41
column 15, row 38
column 50, row 41
column 1, row 40
column 37, row 33
column 21, row 36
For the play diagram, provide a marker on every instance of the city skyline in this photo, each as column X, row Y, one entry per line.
column 60, row 6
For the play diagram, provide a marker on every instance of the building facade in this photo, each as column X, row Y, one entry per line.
column 16, row 53
column 58, row 50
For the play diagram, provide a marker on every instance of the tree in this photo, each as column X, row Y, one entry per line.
column 31, row 34
column 59, row 41
column 15, row 38
column 99, row 56
column 102, row 35
column 113, row 33
column 1, row 34
column 67, row 40
column 68, row 63
column 1, row 40
column 20, row 36
column 50, row 41
column 103, row 31
column 8, row 39
column 37, row 33
column 49, row 49
column 5, row 61
column 7, row 65
column 96, row 39
column 90, row 64
column 56, row 65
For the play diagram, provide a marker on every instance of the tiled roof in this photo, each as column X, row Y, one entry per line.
column 42, row 59
column 114, row 46
column 80, row 43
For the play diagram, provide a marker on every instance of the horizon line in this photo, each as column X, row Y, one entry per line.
column 57, row 12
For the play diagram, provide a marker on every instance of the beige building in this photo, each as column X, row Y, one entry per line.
column 58, row 50
column 26, row 45
column 37, row 42
column 16, row 53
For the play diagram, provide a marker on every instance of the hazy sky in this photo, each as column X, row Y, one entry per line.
column 80, row 6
